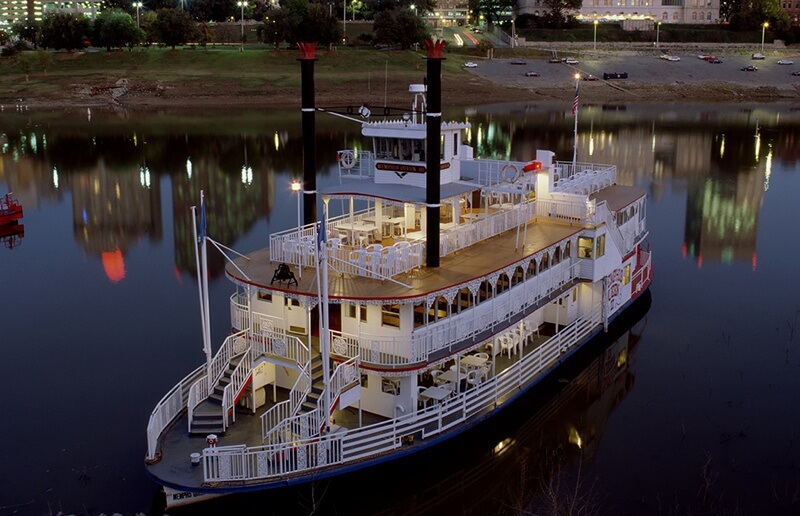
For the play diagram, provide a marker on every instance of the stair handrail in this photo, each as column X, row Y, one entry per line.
column 223, row 357
column 272, row 418
column 239, row 377
column 197, row 393
column 166, row 410
column 613, row 230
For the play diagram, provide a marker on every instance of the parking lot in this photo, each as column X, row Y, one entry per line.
column 643, row 71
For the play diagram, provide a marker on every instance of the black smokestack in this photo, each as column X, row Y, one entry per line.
column 309, row 132
column 433, row 134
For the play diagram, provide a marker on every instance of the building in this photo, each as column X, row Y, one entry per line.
column 667, row 11
column 13, row 11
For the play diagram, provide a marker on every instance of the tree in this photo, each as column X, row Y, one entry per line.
column 555, row 17
column 114, row 28
column 751, row 15
column 44, row 58
column 400, row 27
column 277, row 26
column 173, row 27
column 28, row 31
column 318, row 25
column 64, row 31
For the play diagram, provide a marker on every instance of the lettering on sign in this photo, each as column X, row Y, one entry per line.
column 401, row 169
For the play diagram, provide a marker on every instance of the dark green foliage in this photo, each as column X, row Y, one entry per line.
column 173, row 27
column 114, row 28
column 299, row 21
column 64, row 31
column 212, row 10
column 28, row 31
column 401, row 27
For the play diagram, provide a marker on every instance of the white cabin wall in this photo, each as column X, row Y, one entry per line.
column 374, row 400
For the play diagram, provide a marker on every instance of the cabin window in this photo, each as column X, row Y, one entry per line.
column 557, row 255
column 585, row 247
column 390, row 386
column 288, row 301
column 641, row 211
column 439, row 309
column 390, row 315
column 568, row 251
column 264, row 296
column 464, row 299
column 395, row 148
column 361, row 310
column 455, row 144
column 600, row 248
column 441, row 149
column 519, row 276
column 626, row 274
column 419, row 315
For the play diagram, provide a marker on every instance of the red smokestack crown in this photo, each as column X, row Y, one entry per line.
column 307, row 50
column 434, row 47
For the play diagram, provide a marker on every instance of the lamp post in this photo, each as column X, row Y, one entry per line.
column 513, row 33
column 658, row 30
column 344, row 22
column 241, row 4
column 594, row 44
column 137, row 5
column 297, row 188
column 763, row 30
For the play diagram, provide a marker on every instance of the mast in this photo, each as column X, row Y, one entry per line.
column 433, row 135
column 309, row 132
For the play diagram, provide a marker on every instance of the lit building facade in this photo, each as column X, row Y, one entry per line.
column 666, row 11
column 13, row 11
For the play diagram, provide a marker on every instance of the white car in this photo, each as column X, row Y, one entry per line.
column 670, row 58
column 785, row 62
column 470, row 64
column 758, row 56
column 570, row 61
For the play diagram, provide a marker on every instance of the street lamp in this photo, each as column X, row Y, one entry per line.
column 658, row 29
column 297, row 188
column 139, row 5
column 595, row 35
column 763, row 30
column 241, row 4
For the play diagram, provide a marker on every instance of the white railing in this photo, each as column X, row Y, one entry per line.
column 391, row 351
column 565, row 211
column 613, row 230
column 384, row 263
column 239, row 378
column 272, row 420
column 574, row 178
column 276, row 343
column 234, row 345
column 364, row 167
column 296, row 246
column 167, row 409
column 465, row 235
column 273, row 461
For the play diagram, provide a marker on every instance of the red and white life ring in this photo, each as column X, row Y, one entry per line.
column 510, row 172
column 346, row 159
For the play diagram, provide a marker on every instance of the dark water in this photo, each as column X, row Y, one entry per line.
column 694, row 409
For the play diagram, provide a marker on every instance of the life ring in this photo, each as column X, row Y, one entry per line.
column 533, row 165
column 346, row 159
column 511, row 176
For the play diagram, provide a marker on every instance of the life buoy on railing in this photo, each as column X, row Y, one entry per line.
column 346, row 159
column 510, row 172
column 532, row 166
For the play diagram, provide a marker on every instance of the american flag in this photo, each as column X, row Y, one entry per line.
column 575, row 102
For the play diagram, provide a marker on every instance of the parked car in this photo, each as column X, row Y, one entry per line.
column 589, row 78
column 710, row 58
column 758, row 56
column 785, row 62
column 554, row 59
column 668, row 57
column 615, row 75
column 750, row 68
column 715, row 61
column 704, row 57
column 518, row 62
column 470, row 64
column 570, row 61
column 476, row 30
column 531, row 74
column 796, row 73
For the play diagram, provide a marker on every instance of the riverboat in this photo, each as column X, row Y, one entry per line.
column 434, row 290
column 10, row 210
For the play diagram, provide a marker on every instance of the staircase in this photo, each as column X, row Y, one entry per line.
column 207, row 417
column 317, row 386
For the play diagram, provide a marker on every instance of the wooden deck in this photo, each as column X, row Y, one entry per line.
column 479, row 260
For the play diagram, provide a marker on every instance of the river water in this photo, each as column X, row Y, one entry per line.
column 689, row 405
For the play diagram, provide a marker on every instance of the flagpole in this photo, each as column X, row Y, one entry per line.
column 322, row 293
column 204, row 272
column 575, row 131
column 199, row 280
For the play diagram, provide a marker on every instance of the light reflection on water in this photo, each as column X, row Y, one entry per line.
column 100, row 306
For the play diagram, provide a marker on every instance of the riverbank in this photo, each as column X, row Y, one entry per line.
column 157, row 79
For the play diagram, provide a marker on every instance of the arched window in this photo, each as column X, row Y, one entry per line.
column 568, row 251
column 694, row 16
column 675, row 16
column 557, row 255
column 665, row 16
column 532, row 269
column 545, row 263
column 485, row 291
column 519, row 276
column 708, row 16
column 503, row 283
